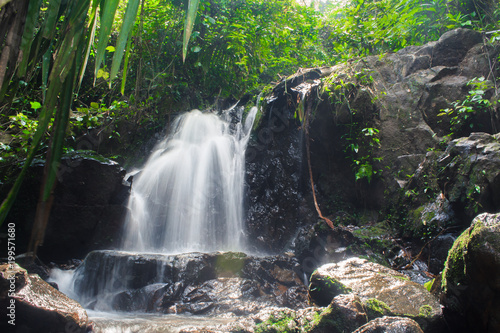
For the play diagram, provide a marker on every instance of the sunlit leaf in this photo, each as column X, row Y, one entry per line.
column 188, row 25
column 121, row 44
column 35, row 105
column 107, row 17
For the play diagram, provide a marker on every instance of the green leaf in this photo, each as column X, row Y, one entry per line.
column 110, row 49
column 188, row 25
column 107, row 17
column 35, row 105
column 121, row 43
column 101, row 73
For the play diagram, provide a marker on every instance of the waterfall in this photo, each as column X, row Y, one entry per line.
column 189, row 195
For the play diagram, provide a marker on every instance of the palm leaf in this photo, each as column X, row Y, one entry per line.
column 188, row 25
column 107, row 17
column 127, row 25
column 93, row 24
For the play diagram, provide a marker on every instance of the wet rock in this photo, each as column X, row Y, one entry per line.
column 373, row 281
column 344, row 314
column 88, row 209
column 439, row 249
column 390, row 325
column 35, row 306
column 470, row 174
column 197, row 283
column 471, row 279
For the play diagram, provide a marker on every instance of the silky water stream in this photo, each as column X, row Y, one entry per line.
column 188, row 198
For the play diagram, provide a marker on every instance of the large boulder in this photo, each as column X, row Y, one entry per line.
column 471, row 278
column 88, row 209
column 370, row 281
column 29, row 304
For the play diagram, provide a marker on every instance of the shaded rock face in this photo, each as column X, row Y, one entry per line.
column 399, row 95
column 470, row 174
column 88, row 210
column 471, row 279
column 276, row 170
column 37, row 306
column 390, row 289
column 188, row 283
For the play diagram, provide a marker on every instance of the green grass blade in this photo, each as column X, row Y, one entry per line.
column 91, row 38
column 107, row 17
column 188, row 25
column 121, row 43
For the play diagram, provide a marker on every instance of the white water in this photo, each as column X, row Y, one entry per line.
column 189, row 195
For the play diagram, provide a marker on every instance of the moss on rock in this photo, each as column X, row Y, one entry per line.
column 376, row 308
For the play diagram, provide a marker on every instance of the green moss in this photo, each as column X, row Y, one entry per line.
column 454, row 271
column 371, row 232
column 376, row 308
column 280, row 323
column 425, row 311
column 323, row 289
column 454, row 267
column 230, row 263
column 329, row 320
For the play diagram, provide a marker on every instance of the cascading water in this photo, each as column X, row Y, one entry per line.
column 187, row 198
column 189, row 195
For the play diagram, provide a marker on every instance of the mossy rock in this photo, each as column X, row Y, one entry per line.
column 471, row 278
column 323, row 288
column 391, row 289
column 375, row 308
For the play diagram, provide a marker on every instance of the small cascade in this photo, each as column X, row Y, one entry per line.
column 189, row 195
column 182, row 248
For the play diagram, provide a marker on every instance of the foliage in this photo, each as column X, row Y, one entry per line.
column 360, row 136
column 367, row 27
column 236, row 47
column 461, row 113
